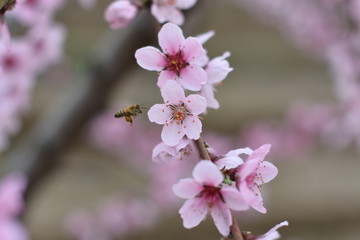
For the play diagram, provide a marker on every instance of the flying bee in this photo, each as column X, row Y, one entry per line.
column 128, row 112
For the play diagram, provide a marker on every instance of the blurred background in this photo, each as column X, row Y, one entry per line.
column 316, row 190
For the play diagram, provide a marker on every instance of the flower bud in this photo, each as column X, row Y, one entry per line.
column 120, row 13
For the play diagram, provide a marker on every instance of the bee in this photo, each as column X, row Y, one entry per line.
column 128, row 112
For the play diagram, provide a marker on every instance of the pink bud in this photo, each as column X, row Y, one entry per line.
column 120, row 13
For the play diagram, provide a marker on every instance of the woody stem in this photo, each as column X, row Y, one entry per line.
column 235, row 233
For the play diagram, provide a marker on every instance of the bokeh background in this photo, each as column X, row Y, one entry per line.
column 316, row 192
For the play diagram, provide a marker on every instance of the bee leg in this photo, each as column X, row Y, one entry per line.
column 129, row 119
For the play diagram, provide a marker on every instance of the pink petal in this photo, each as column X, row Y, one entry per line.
column 193, row 50
column 253, row 197
column 12, row 230
column 172, row 134
column 5, row 35
column 267, row 171
column 187, row 188
column 172, row 93
column 159, row 113
column 192, row 127
column 229, row 162
column 248, row 168
column 165, row 76
column 193, row 212
column 234, row 199
column 260, row 153
column 167, row 14
column 185, row 4
column 222, row 217
column 171, row 38
column 204, row 37
column 196, row 104
column 218, row 68
column 207, row 91
column 207, row 173
column 272, row 234
column 150, row 58
column 240, row 151
column 193, row 77
column 163, row 152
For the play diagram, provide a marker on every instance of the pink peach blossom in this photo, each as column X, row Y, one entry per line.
column 168, row 10
column 181, row 59
column 45, row 43
column 120, row 13
column 252, row 174
column 179, row 114
column 31, row 12
column 206, row 193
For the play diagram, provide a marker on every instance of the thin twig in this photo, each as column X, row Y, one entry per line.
column 204, row 154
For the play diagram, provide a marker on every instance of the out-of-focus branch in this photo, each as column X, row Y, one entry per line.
column 235, row 233
column 37, row 153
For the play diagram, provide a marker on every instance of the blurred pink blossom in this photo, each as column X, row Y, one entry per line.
column 272, row 234
column 120, row 13
column 168, row 10
column 12, row 230
column 11, row 205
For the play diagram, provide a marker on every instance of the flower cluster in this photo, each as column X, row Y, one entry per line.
column 121, row 12
column 220, row 183
column 42, row 42
column 26, row 56
column 217, row 190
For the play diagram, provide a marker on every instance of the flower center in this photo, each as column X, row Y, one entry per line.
column 176, row 62
column 9, row 63
column 179, row 112
column 211, row 194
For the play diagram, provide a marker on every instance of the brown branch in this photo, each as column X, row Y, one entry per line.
column 204, row 154
column 235, row 233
